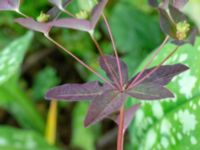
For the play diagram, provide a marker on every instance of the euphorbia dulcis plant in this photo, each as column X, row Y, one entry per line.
column 107, row 98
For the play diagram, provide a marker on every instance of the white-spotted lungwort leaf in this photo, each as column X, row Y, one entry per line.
column 109, row 65
column 75, row 92
column 172, row 123
column 18, row 139
column 104, row 105
column 9, row 5
column 80, row 24
column 12, row 56
column 12, row 98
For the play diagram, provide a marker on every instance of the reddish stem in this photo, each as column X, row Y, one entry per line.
column 79, row 60
column 150, row 61
column 115, row 51
column 120, row 136
column 155, row 69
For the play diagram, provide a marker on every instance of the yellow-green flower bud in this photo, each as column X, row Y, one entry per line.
column 182, row 29
column 43, row 17
column 82, row 15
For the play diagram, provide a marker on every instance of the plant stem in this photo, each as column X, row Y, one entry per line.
column 79, row 60
column 150, row 61
column 120, row 136
column 115, row 51
column 69, row 13
column 155, row 69
column 110, row 69
column 51, row 123
column 20, row 13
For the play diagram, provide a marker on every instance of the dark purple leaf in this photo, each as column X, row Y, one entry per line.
column 104, row 105
column 34, row 25
column 176, row 14
column 80, row 24
column 167, row 25
column 153, row 3
column 55, row 11
column 149, row 91
column 192, row 36
column 109, row 65
column 74, row 92
column 179, row 3
column 128, row 116
column 163, row 75
column 9, row 5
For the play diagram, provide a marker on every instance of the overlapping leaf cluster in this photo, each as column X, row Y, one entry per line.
column 107, row 99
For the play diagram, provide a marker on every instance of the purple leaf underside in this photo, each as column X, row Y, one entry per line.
column 75, row 92
column 128, row 116
column 34, row 25
column 104, row 105
column 163, row 75
column 109, row 65
column 9, row 4
column 149, row 91
column 80, row 24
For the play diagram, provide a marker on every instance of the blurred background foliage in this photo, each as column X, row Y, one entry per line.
column 30, row 65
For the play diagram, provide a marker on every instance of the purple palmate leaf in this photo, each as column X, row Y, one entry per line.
column 149, row 91
column 104, row 105
column 128, row 116
column 80, row 24
column 34, row 25
column 9, row 5
column 109, row 65
column 163, row 74
column 151, row 86
column 74, row 92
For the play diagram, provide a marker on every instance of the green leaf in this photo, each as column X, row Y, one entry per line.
column 41, row 85
column 177, row 130
column 16, row 139
column 82, row 137
column 153, row 117
column 12, row 56
column 12, row 98
column 132, row 30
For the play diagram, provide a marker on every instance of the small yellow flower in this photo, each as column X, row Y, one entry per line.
column 182, row 29
column 43, row 17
